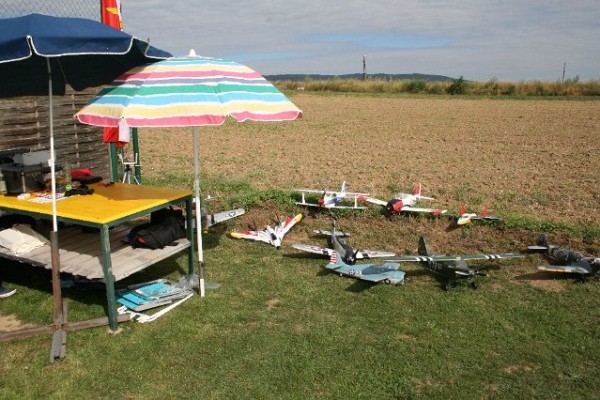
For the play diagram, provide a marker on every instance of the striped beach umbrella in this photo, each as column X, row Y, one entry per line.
column 189, row 91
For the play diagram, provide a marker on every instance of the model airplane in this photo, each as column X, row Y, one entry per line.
column 465, row 218
column 272, row 236
column 209, row 220
column 341, row 247
column 403, row 202
column 452, row 268
column 330, row 199
column 383, row 272
column 567, row 261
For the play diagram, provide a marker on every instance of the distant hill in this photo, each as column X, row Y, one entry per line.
column 318, row 77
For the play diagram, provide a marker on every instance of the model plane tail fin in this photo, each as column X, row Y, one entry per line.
column 417, row 189
column 422, row 247
column 463, row 209
column 335, row 261
column 484, row 212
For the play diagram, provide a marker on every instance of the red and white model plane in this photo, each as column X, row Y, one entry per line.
column 330, row 199
column 403, row 202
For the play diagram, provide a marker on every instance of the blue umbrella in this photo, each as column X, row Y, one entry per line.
column 41, row 54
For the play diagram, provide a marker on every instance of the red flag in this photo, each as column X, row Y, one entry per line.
column 111, row 13
column 111, row 16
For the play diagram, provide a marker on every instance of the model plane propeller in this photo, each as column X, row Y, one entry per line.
column 331, row 199
column 343, row 249
column 272, row 236
column 566, row 261
column 451, row 268
column 404, row 202
column 386, row 272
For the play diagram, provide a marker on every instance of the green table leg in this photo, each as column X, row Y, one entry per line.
column 109, row 279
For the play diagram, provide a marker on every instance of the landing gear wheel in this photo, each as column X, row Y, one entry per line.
column 448, row 285
column 474, row 285
column 387, row 281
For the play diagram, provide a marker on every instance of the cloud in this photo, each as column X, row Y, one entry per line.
column 507, row 39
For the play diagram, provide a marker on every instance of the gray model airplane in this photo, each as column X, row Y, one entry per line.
column 387, row 272
column 209, row 220
column 337, row 244
column 566, row 261
column 452, row 268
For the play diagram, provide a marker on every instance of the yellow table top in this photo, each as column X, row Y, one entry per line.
column 105, row 205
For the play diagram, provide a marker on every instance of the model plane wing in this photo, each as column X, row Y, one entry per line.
column 565, row 269
column 372, row 277
column 312, row 249
column 376, row 201
column 365, row 254
column 424, row 259
column 251, row 235
column 285, row 227
column 216, row 218
column 492, row 256
column 435, row 211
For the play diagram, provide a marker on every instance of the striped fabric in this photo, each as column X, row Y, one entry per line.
column 189, row 91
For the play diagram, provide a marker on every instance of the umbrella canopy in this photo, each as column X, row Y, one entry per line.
column 40, row 55
column 189, row 91
column 81, row 52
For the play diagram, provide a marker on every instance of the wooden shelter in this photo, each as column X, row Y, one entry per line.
column 24, row 124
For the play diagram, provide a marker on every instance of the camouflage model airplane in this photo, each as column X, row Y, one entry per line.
column 343, row 249
column 403, row 202
column 566, row 261
column 330, row 199
column 452, row 268
column 383, row 272
column 272, row 236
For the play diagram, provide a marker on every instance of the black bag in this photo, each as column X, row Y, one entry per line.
column 165, row 227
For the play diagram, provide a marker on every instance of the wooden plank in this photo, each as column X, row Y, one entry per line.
column 80, row 254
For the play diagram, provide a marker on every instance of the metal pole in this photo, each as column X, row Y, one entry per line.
column 198, row 213
column 54, row 250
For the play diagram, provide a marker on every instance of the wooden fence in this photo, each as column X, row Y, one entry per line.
column 24, row 123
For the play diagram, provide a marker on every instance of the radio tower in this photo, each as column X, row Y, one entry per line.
column 364, row 68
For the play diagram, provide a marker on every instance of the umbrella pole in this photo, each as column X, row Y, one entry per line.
column 58, row 346
column 198, row 214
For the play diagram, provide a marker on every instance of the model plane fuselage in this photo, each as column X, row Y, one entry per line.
column 566, row 261
column 331, row 199
column 386, row 272
column 451, row 268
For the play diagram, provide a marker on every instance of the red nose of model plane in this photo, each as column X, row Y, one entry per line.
column 398, row 206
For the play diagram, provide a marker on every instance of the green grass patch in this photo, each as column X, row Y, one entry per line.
column 281, row 326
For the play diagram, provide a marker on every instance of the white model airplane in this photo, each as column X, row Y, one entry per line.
column 403, row 202
column 465, row 218
column 330, row 199
column 272, row 236
column 341, row 247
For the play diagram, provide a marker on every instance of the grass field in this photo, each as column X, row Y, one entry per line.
column 280, row 326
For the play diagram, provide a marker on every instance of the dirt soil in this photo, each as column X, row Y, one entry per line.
column 534, row 159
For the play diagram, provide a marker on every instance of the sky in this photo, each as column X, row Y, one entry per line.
column 507, row 40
